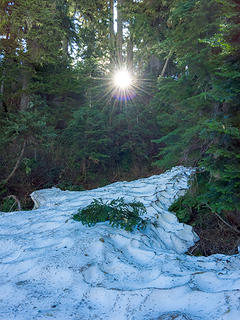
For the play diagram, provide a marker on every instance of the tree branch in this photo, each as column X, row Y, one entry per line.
column 16, row 165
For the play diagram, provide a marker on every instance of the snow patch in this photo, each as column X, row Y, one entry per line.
column 53, row 267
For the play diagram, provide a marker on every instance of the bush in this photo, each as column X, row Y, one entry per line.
column 117, row 212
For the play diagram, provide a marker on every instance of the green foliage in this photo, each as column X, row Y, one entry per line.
column 117, row 212
column 222, row 163
column 190, row 208
column 199, row 106
column 184, row 207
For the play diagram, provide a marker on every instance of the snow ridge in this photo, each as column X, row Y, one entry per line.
column 52, row 267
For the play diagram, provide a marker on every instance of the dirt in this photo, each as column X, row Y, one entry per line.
column 218, row 240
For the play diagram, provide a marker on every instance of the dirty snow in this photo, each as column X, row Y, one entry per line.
column 52, row 267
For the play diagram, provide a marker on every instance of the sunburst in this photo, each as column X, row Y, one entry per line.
column 122, row 79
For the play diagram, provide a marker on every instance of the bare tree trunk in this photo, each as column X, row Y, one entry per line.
column 111, row 23
column 130, row 41
column 112, row 43
column 130, row 53
column 119, row 31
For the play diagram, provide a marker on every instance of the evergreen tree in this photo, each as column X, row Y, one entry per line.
column 200, row 103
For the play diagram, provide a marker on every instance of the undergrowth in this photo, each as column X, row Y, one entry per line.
column 218, row 230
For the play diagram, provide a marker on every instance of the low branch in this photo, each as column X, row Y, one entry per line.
column 16, row 165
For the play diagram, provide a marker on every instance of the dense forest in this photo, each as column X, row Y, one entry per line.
column 65, row 122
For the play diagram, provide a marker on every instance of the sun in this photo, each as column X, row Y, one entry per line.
column 122, row 79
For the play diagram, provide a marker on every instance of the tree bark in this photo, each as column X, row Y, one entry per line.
column 130, row 53
column 111, row 31
column 111, row 23
column 119, row 32
column 1, row 94
column 25, row 99
column 33, row 56
column 65, row 46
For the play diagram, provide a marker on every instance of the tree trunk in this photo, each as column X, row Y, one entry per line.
column 84, row 169
column 34, row 55
column 119, row 32
column 111, row 23
column 65, row 46
column 111, row 30
column 25, row 99
column 1, row 94
column 130, row 53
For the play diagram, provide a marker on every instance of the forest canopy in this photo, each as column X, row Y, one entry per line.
column 67, row 121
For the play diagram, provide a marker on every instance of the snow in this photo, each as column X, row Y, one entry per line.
column 53, row 267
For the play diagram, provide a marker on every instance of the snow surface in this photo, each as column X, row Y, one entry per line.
column 53, row 267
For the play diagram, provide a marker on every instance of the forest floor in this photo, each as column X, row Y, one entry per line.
column 216, row 239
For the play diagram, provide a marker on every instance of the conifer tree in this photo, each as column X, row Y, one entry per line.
column 200, row 103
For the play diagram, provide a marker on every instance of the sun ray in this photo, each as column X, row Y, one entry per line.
column 120, row 87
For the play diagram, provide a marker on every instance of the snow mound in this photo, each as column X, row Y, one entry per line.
column 53, row 267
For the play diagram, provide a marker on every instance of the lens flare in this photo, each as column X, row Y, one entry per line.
column 122, row 79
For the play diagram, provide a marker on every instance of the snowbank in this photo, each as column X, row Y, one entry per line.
column 53, row 267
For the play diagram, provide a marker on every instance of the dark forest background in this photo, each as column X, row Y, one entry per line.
column 62, row 125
